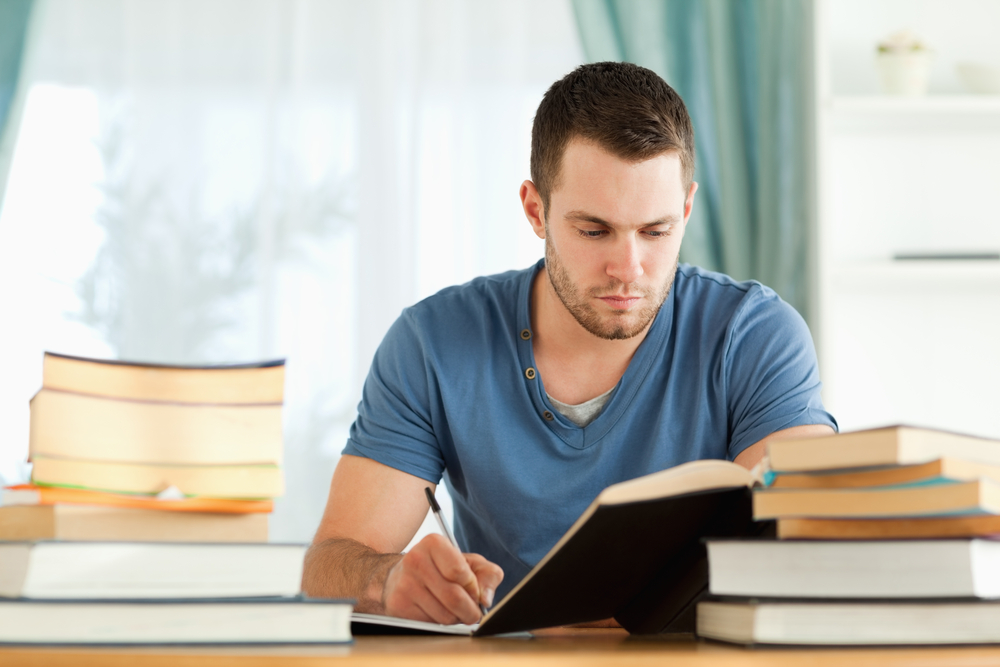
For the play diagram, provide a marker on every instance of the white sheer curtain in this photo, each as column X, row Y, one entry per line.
column 225, row 180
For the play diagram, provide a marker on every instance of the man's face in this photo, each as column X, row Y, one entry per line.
column 612, row 237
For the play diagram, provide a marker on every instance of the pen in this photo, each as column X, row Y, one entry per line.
column 436, row 509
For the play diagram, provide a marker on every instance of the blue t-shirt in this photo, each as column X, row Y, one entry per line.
column 724, row 365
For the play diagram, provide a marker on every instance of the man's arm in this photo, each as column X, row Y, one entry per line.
column 372, row 513
column 752, row 455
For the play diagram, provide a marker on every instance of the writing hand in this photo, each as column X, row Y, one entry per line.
column 436, row 582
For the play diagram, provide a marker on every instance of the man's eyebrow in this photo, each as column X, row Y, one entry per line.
column 583, row 216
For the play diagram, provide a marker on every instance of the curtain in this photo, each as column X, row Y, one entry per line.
column 14, row 15
column 743, row 69
column 225, row 180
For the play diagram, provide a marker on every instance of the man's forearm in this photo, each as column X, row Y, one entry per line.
column 344, row 568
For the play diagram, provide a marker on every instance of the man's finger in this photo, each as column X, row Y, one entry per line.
column 489, row 576
column 453, row 566
column 436, row 612
column 428, row 562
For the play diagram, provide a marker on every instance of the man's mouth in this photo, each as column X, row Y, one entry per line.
column 620, row 302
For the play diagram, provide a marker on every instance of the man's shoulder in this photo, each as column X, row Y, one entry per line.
column 711, row 304
column 694, row 284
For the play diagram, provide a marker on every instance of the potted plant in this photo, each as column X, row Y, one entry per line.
column 904, row 64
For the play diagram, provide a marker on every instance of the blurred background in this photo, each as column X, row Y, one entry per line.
column 218, row 181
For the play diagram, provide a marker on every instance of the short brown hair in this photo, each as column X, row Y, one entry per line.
column 627, row 110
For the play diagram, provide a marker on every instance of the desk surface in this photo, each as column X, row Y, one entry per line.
column 583, row 648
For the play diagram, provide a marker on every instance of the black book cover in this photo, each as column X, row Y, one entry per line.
column 642, row 563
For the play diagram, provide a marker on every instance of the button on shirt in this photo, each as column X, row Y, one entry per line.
column 724, row 365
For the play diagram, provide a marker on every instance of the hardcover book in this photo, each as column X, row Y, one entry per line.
column 83, row 570
column 892, row 445
column 983, row 525
column 201, row 621
column 973, row 497
column 855, row 569
column 820, row 623
column 110, row 524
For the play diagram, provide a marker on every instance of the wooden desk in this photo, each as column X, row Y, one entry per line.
column 579, row 648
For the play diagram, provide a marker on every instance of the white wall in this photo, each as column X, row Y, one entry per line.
column 911, row 342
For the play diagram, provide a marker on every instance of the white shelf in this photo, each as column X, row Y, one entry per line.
column 941, row 114
column 907, row 340
column 928, row 104
column 963, row 274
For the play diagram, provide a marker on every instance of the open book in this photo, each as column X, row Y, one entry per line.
column 636, row 554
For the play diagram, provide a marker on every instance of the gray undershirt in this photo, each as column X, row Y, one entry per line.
column 585, row 412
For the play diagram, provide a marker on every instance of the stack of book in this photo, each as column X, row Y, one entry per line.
column 885, row 536
column 150, row 452
column 146, row 518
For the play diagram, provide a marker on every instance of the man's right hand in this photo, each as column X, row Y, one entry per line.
column 435, row 582
column 371, row 515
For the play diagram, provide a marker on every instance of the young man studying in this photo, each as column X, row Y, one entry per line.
column 530, row 391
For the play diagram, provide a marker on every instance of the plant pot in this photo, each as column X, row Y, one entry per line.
column 904, row 72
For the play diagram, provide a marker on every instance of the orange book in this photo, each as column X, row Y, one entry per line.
column 31, row 494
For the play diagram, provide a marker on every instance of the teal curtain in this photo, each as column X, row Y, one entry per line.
column 743, row 69
column 14, row 15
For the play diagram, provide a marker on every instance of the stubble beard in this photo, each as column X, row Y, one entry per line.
column 615, row 326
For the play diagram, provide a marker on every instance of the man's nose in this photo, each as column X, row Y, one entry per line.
column 625, row 264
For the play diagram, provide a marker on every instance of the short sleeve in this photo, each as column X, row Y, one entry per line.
column 772, row 378
column 394, row 423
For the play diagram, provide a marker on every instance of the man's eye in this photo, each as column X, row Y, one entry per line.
column 591, row 233
column 657, row 233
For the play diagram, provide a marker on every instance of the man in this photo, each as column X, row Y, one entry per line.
column 531, row 391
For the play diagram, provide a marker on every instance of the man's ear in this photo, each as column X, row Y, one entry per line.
column 534, row 210
column 689, row 202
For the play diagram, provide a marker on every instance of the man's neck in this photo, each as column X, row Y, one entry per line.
column 574, row 364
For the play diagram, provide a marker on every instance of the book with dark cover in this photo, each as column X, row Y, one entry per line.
column 637, row 554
